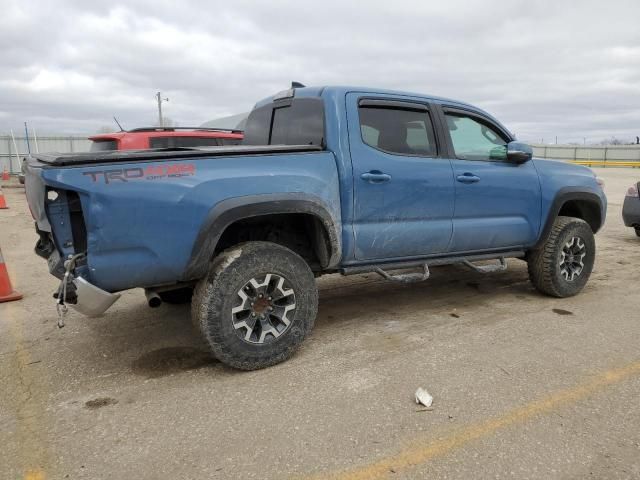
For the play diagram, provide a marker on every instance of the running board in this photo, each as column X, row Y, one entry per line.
column 496, row 267
column 437, row 261
column 406, row 277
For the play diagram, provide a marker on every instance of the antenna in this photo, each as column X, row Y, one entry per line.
column 118, row 123
column 297, row 85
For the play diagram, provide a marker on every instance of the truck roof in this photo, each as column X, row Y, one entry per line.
column 306, row 92
column 318, row 91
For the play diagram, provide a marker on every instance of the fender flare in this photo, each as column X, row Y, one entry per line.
column 231, row 210
column 563, row 196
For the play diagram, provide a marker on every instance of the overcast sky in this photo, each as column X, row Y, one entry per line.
column 545, row 68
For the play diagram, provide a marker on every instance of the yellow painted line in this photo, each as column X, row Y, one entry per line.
column 35, row 475
column 600, row 163
column 421, row 453
column 29, row 406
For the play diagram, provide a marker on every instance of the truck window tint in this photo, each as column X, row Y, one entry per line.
column 302, row 123
column 176, row 142
column 474, row 140
column 258, row 126
column 299, row 123
column 369, row 135
column 103, row 145
column 397, row 130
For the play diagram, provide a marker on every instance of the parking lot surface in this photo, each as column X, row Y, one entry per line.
column 524, row 386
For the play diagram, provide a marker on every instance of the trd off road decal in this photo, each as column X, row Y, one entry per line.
column 152, row 172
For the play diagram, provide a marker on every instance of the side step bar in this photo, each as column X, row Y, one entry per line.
column 382, row 268
column 406, row 277
column 498, row 267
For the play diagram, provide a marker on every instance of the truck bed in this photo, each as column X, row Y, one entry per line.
column 163, row 154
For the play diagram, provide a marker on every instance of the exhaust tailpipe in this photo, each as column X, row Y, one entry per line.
column 153, row 299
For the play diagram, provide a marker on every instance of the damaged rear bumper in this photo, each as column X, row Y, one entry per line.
column 91, row 300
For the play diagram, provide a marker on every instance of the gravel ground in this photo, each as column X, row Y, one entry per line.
column 525, row 386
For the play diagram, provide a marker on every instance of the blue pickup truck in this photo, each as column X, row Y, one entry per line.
column 327, row 180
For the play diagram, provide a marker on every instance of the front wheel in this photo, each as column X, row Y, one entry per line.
column 256, row 306
column 637, row 229
column 561, row 268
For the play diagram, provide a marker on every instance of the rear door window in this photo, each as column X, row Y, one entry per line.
column 402, row 131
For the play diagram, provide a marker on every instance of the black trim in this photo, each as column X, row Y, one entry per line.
column 229, row 211
column 180, row 153
column 563, row 196
column 393, row 104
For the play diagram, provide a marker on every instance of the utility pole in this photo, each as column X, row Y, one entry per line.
column 160, row 100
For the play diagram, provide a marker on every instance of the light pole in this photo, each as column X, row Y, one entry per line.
column 160, row 100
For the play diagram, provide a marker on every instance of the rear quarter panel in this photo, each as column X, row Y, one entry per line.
column 141, row 229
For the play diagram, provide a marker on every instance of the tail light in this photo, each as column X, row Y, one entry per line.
column 633, row 191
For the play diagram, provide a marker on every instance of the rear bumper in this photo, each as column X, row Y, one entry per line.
column 91, row 300
column 631, row 211
column 82, row 296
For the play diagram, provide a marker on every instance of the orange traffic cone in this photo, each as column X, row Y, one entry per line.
column 3, row 202
column 5, row 175
column 7, row 293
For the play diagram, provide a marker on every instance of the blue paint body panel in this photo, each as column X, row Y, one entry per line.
column 555, row 175
column 142, row 232
column 409, row 215
column 501, row 210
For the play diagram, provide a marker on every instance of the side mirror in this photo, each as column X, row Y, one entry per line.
column 519, row 152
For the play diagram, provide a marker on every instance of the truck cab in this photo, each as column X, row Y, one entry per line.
column 326, row 180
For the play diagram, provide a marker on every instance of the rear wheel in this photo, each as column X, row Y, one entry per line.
column 561, row 268
column 637, row 229
column 256, row 306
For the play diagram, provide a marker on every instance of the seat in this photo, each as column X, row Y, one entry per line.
column 393, row 138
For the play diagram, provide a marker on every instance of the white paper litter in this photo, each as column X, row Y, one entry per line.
column 423, row 397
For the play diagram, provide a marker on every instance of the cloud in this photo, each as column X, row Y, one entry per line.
column 544, row 68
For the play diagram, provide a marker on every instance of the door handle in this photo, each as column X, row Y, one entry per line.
column 375, row 176
column 468, row 178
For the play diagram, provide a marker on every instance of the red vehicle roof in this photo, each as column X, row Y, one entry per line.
column 140, row 138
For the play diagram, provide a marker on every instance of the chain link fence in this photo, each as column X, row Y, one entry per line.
column 590, row 153
column 11, row 153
